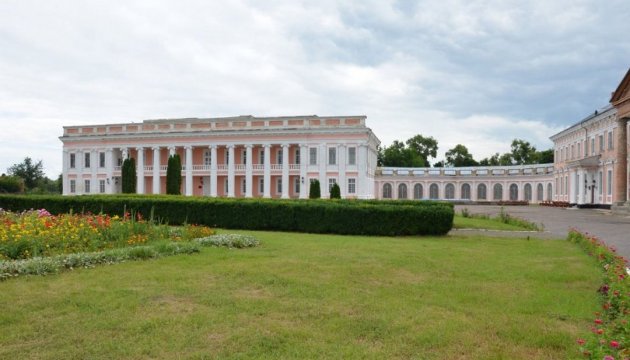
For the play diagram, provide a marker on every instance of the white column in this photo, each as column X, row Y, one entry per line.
column 189, row 170
column 572, row 181
column 125, row 154
column 231, row 163
column 140, row 171
column 304, row 183
column 94, row 169
column 249, row 167
column 156, row 170
column 80, row 166
column 341, row 165
column 171, row 150
column 213, row 170
column 580, row 185
column 109, row 169
column 66, row 167
column 323, row 163
column 267, row 171
column 362, row 172
column 285, row 171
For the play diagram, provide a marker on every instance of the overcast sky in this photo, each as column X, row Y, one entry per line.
column 479, row 73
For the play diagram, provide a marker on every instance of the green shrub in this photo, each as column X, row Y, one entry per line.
column 373, row 217
column 174, row 175
column 129, row 178
column 335, row 192
column 11, row 185
column 314, row 191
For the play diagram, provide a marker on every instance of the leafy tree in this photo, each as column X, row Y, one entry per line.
column 30, row 172
column 11, row 184
column 174, row 175
column 523, row 152
column 545, row 156
column 459, row 156
column 491, row 161
column 423, row 147
column 439, row 164
column 335, row 192
column 314, row 191
column 129, row 178
column 397, row 154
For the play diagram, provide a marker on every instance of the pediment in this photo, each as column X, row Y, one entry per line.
column 622, row 92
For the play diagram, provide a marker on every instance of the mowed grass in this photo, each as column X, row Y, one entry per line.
column 313, row 296
column 460, row 222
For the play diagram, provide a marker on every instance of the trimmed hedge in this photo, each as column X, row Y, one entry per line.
column 313, row 216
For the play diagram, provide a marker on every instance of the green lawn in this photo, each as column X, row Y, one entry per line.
column 313, row 296
column 460, row 222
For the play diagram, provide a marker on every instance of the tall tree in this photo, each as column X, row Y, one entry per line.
column 174, row 175
column 129, row 178
column 397, row 154
column 459, row 156
column 523, row 152
column 30, row 172
column 545, row 156
column 424, row 147
column 314, row 192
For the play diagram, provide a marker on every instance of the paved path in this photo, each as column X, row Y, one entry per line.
column 612, row 229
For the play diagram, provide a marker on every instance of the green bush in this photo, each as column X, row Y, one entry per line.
column 11, row 185
column 129, row 178
column 174, row 175
column 335, row 192
column 314, row 191
column 372, row 217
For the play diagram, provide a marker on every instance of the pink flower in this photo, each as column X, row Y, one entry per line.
column 581, row 341
column 598, row 321
column 614, row 344
column 608, row 357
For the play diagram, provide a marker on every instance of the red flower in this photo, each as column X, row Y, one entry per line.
column 600, row 331
column 581, row 341
column 614, row 344
column 598, row 321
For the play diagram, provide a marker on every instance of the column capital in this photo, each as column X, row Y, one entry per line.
column 139, row 148
column 212, row 147
column 188, row 147
column 266, row 146
column 155, row 148
column 230, row 146
column 249, row 146
column 285, row 145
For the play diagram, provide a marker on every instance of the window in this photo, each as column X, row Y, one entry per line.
column 73, row 186
column 312, row 156
column 610, row 140
column 86, row 162
column 331, row 182
column 86, row 186
column 101, row 186
column 261, row 156
column 352, row 156
column 528, row 192
column 261, row 186
column 297, row 156
column 572, row 151
column 417, row 191
column 449, row 191
column 296, row 185
column 540, row 192
column 279, row 158
column 387, row 191
column 497, row 191
column 593, row 146
column 207, row 157
column 101, row 159
column 352, row 186
column 332, row 156
column 73, row 161
column 434, row 192
column 550, row 192
column 119, row 162
column 279, row 186
column 243, row 186
column 600, row 183
column 227, row 156
column 402, row 191
column 609, row 182
column 579, row 145
column 586, row 147
column 465, row 192
column 513, row 192
column 566, row 185
column 244, row 156
column 226, row 186
column 482, row 192
column 601, row 143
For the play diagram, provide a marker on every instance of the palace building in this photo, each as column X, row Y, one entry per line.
column 277, row 157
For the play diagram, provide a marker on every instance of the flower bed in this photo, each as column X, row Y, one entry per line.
column 37, row 233
column 610, row 332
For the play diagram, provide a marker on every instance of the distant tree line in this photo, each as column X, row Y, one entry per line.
column 28, row 177
column 416, row 151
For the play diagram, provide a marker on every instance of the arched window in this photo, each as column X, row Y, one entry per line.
column 402, row 191
column 465, row 192
column 540, row 192
column 433, row 191
column 417, row 191
column 481, row 192
column 513, row 192
column 528, row 192
column 497, row 192
column 549, row 192
column 449, row 191
column 387, row 191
